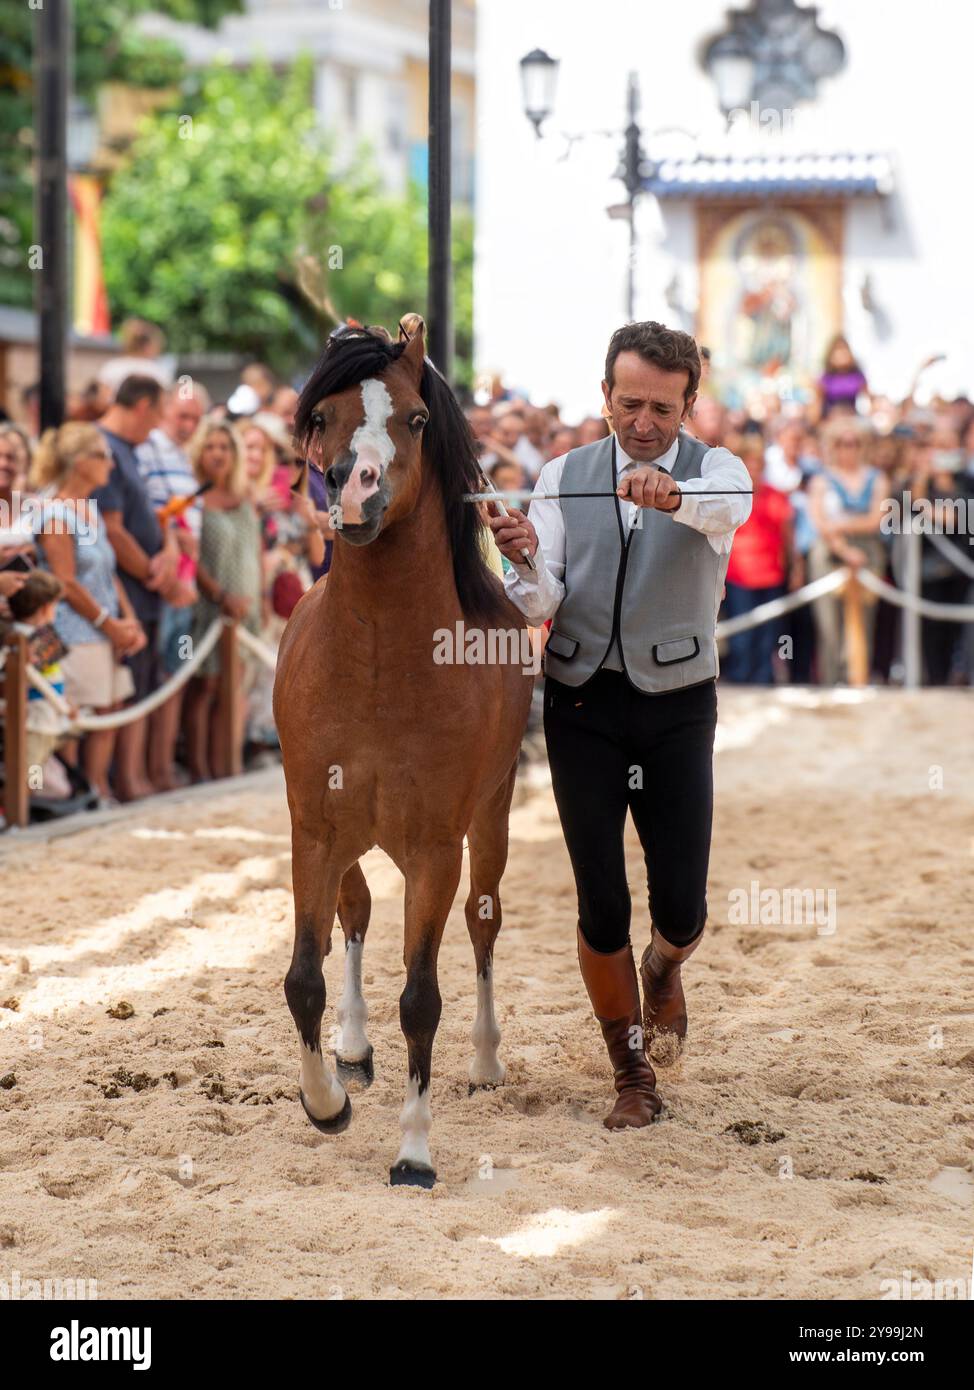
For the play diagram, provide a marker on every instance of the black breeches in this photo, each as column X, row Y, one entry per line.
column 613, row 749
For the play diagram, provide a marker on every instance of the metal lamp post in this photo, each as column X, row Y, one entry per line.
column 539, row 76
column 632, row 172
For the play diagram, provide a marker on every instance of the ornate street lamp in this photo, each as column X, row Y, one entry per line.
column 539, row 77
column 732, row 69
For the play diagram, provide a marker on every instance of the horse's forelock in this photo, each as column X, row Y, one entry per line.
column 347, row 360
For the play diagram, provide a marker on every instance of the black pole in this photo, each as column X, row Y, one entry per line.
column 51, row 77
column 440, row 316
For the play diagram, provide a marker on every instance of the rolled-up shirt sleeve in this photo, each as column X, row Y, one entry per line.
column 539, row 594
column 717, row 517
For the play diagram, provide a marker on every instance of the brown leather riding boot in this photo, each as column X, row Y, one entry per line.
column 664, row 1004
column 614, row 991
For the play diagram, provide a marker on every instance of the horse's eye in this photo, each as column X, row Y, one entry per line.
column 417, row 423
column 317, row 420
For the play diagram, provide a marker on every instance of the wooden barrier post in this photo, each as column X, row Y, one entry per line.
column 16, row 806
column 229, row 704
column 856, row 646
column 912, row 541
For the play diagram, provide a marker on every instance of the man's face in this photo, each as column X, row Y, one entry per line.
column 182, row 418
column 509, row 429
column 285, row 404
column 647, row 406
column 537, row 427
column 480, row 421
column 791, row 439
column 144, row 416
column 710, row 421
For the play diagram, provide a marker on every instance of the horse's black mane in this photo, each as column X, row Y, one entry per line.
column 352, row 356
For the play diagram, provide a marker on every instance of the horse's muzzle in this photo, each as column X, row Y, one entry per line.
column 358, row 495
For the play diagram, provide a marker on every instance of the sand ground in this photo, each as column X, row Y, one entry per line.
column 165, row 1154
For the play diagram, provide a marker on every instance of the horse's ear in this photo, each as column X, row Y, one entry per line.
column 413, row 328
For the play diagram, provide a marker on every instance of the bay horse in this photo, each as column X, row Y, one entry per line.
column 383, row 744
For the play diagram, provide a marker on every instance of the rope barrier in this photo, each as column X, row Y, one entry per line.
column 91, row 723
column 775, row 607
column 946, row 612
column 260, row 649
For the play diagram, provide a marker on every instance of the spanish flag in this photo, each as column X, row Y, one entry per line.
column 91, row 316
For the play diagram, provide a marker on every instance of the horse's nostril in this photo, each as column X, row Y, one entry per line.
column 331, row 478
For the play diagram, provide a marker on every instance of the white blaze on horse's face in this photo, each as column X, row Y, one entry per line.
column 372, row 452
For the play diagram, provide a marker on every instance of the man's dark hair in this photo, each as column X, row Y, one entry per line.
column 666, row 348
column 39, row 588
column 137, row 388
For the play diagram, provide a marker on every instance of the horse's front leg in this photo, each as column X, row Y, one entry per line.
column 316, row 876
column 431, row 883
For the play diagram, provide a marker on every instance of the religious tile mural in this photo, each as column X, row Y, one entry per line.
column 770, row 294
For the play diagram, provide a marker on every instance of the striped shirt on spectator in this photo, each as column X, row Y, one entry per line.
column 166, row 471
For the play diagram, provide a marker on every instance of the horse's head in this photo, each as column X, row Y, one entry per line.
column 362, row 417
column 382, row 424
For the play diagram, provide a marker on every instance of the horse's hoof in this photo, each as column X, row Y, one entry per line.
column 337, row 1122
column 406, row 1174
column 362, row 1072
column 474, row 1086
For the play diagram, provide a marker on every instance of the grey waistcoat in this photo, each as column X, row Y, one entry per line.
column 658, row 595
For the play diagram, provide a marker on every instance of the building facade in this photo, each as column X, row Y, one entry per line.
column 370, row 73
column 825, row 205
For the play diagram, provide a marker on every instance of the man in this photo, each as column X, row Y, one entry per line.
column 786, row 464
column 529, row 449
column 709, row 421
column 284, row 404
column 633, row 587
column 146, row 562
column 143, row 345
column 499, row 438
column 592, row 429
column 167, row 472
column 481, row 422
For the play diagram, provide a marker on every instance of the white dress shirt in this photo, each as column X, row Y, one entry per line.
column 539, row 594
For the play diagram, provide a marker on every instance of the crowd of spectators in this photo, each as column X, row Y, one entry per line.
column 202, row 510
column 123, row 534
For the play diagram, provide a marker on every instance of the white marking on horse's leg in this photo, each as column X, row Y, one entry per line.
column 486, row 1068
column 353, row 1043
column 415, row 1121
column 323, row 1093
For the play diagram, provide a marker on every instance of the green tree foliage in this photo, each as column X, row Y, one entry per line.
column 108, row 46
column 231, row 228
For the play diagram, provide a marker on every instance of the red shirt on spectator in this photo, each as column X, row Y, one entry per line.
column 757, row 558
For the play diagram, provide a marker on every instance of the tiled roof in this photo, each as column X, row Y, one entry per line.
column 860, row 175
